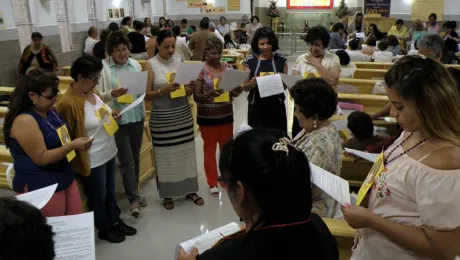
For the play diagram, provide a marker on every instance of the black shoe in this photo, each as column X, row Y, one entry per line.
column 111, row 236
column 124, row 229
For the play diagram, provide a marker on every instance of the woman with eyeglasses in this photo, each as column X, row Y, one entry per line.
column 87, row 115
column 268, row 112
column 214, row 118
column 171, row 127
column 31, row 132
column 131, row 126
column 253, row 166
column 413, row 204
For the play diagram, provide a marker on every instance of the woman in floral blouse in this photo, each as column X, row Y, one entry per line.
column 315, row 102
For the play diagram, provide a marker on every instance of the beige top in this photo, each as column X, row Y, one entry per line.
column 410, row 193
column 329, row 61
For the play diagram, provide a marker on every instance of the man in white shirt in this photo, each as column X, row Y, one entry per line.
column 212, row 28
column 355, row 54
column 182, row 50
column 91, row 40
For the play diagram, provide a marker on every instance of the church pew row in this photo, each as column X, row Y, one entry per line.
column 374, row 74
column 371, row 103
column 386, row 66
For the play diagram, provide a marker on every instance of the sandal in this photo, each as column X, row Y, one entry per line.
column 215, row 192
column 168, row 204
column 195, row 198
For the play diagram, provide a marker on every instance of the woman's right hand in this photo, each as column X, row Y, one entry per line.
column 82, row 144
column 253, row 81
column 169, row 88
column 214, row 93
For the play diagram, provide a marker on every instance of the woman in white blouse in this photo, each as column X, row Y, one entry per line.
column 413, row 210
column 252, row 27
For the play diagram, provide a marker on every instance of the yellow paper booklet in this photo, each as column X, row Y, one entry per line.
column 373, row 174
column 110, row 125
column 125, row 99
column 263, row 74
column 170, row 77
column 224, row 97
column 311, row 75
column 64, row 136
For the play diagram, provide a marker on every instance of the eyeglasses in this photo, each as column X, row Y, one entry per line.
column 124, row 50
column 215, row 54
column 94, row 79
column 50, row 97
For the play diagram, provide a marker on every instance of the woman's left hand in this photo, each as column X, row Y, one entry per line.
column 315, row 62
column 116, row 115
column 357, row 217
column 118, row 92
column 236, row 91
column 188, row 90
column 183, row 255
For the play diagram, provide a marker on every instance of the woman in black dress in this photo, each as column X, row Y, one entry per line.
column 269, row 112
column 253, row 166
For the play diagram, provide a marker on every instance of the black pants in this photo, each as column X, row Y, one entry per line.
column 268, row 113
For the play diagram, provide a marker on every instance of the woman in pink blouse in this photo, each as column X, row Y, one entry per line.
column 413, row 210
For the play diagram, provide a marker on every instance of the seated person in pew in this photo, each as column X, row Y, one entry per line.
column 316, row 102
column 371, row 43
column 383, row 54
column 317, row 62
column 24, row 231
column 347, row 67
column 34, row 134
column 362, row 128
column 413, row 205
column 393, row 45
column 355, row 53
column 253, row 165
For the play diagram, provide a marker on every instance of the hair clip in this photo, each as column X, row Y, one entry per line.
column 282, row 145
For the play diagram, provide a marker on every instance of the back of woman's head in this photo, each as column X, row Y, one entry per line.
column 24, row 231
column 432, row 94
column 315, row 97
column 337, row 26
column 383, row 45
column 38, row 81
column 85, row 66
column 361, row 125
column 163, row 35
column 104, row 35
column 176, row 30
column 344, row 57
column 114, row 26
column 268, row 168
column 138, row 25
column 154, row 30
column 393, row 41
column 371, row 41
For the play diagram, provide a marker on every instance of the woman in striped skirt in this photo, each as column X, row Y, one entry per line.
column 171, row 127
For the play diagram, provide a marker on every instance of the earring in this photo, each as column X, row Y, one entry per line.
column 33, row 102
column 314, row 124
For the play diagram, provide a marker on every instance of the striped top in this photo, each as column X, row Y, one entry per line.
column 213, row 114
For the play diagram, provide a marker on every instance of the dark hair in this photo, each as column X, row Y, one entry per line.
column 344, row 57
column 36, row 35
column 184, row 21
column 318, row 33
column 104, row 35
column 353, row 44
column 114, row 26
column 138, row 25
column 315, row 97
column 377, row 33
column 25, row 232
column 163, row 35
column 264, row 32
column 393, row 41
column 342, row 15
column 360, row 14
column 400, row 21
column 228, row 39
column 154, row 30
column 193, row 27
column 114, row 39
column 455, row 73
column 383, row 45
column 371, row 41
column 205, row 18
column 91, row 30
column 337, row 26
column 204, row 24
column 255, row 17
column 85, row 66
column 361, row 125
column 435, row 16
column 251, row 160
column 222, row 17
column 176, row 30
column 169, row 20
column 161, row 18
column 38, row 81
column 145, row 20
column 450, row 25
column 126, row 20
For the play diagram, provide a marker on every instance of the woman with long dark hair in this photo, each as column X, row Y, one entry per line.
column 162, row 23
column 126, row 25
column 34, row 134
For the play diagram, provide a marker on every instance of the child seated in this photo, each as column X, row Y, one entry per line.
column 382, row 55
column 362, row 128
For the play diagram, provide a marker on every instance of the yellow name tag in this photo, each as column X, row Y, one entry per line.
column 64, row 136
column 263, row 74
column 170, row 77
column 224, row 97
column 110, row 125
column 310, row 75
column 373, row 174
column 343, row 135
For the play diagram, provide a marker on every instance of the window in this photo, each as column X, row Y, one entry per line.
column 91, row 5
column 22, row 21
column 64, row 25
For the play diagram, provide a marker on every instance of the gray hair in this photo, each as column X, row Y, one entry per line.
column 212, row 27
column 432, row 42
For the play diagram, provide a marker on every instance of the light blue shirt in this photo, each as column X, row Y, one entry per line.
column 136, row 114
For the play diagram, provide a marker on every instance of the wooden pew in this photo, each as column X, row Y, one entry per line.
column 354, row 170
column 365, row 86
column 372, row 103
column 344, row 234
column 374, row 74
column 390, row 126
column 66, row 71
column 386, row 66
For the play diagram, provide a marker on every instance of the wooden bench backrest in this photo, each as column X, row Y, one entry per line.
column 372, row 103
column 370, row 74
column 365, row 86
column 386, row 66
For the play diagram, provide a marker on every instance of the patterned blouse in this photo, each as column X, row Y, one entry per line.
column 323, row 149
column 213, row 114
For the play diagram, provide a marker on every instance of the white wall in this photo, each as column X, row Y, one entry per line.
column 157, row 7
column 42, row 13
column 77, row 11
column 401, row 7
column 7, row 14
column 452, row 7
column 141, row 9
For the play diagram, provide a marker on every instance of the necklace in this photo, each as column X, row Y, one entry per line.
column 405, row 152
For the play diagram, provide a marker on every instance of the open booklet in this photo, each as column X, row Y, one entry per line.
column 207, row 240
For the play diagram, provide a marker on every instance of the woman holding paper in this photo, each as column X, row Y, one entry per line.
column 269, row 112
column 131, row 126
column 41, row 157
column 171, row 126
column 253, row 166
column 315, row 102
column 81, row 106
column 413, row 204
column 215, row 116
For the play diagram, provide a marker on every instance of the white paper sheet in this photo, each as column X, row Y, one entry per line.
column 234, row 24
column 38, row 198
column 290, row 80
column 270, row 85
column 188, row 72
column 132, row 105
column 74, row 237
column 244, row 127
column 360, row 35
column 372, row 157
column 232, row 79
column 333, row 185
column 207, row 240
column 135, row 82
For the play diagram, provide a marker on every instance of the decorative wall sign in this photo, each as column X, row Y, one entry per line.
column 310, row 4
column 377, row 7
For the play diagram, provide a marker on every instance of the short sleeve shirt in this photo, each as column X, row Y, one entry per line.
column 329, row 61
